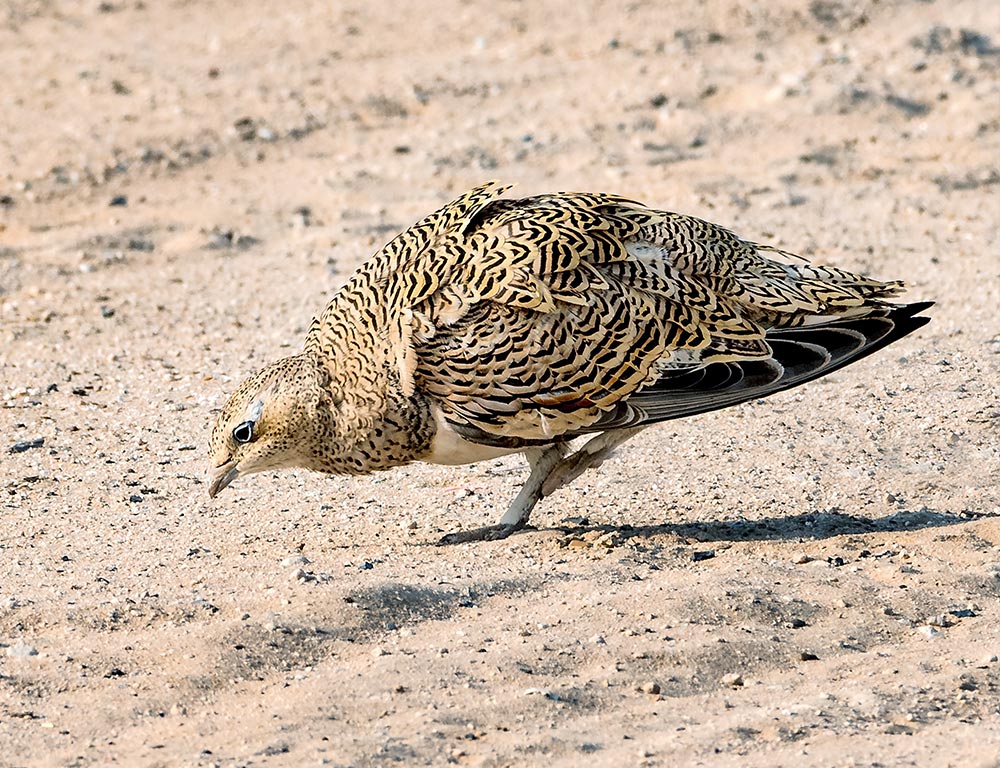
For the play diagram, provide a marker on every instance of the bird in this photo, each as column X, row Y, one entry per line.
column 498, row 325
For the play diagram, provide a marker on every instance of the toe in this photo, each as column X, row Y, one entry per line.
column 486, row 533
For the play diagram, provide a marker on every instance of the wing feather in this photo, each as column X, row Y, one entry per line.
column 556, row 315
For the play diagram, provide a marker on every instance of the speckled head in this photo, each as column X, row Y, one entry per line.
column 268, row 423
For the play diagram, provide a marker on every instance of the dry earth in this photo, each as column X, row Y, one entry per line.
column 810, row 580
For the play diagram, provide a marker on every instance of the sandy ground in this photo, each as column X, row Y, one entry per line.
column 810, row 580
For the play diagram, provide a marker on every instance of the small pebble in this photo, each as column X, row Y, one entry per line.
column 21, row 650
column 733, row 680
column 609, row 540
column 928, row 631
column 24, row 445
column 291, row 560
column 598, row 640
column 118, row 201
column 378, row 651
column 650, row 687
column 551, row 695
column 808, row 656
column 940, row 620
column 801, row 559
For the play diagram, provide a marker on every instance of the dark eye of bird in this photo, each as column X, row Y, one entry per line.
column 244, row 432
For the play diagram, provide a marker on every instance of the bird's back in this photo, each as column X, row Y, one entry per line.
column 526, row 321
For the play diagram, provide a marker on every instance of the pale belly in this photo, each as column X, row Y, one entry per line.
column 448, row 447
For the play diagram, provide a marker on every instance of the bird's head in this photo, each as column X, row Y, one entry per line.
column 268, row 423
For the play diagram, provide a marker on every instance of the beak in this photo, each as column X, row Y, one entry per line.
column 224, row 475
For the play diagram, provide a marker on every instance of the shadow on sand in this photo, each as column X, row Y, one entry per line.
column 813, row 525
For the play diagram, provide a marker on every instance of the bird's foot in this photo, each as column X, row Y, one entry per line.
column 486, row 533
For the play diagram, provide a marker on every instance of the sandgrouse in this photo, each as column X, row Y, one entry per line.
column 497, row 326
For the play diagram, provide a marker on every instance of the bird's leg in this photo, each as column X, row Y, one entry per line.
column 550, row 471
column 541, row 461
column 592, row 454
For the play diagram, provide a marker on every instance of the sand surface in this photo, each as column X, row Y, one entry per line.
column 810, row 580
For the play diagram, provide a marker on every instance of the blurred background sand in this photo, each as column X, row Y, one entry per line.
column 809, row 580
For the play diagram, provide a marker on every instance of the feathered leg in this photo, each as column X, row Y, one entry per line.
column 592, row 454
column 550, row 471
column 542, row 461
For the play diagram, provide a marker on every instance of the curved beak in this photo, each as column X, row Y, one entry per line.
column 224, row 475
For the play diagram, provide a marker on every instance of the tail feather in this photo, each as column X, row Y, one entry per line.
column 800, row 355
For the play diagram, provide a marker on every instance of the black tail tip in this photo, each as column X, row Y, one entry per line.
column 907, row 318
column 910, row 310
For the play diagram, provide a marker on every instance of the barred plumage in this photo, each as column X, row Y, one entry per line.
column 497, row 325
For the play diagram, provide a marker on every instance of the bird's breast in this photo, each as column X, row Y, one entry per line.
column 448, row 447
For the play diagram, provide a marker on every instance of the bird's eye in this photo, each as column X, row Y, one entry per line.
column 244, row 432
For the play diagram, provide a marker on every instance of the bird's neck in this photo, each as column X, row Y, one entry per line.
column 377, row 421
column 350, row 336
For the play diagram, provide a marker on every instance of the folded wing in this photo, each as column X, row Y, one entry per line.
column 559, row 315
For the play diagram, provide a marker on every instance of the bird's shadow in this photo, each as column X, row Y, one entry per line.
column 812, row 525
